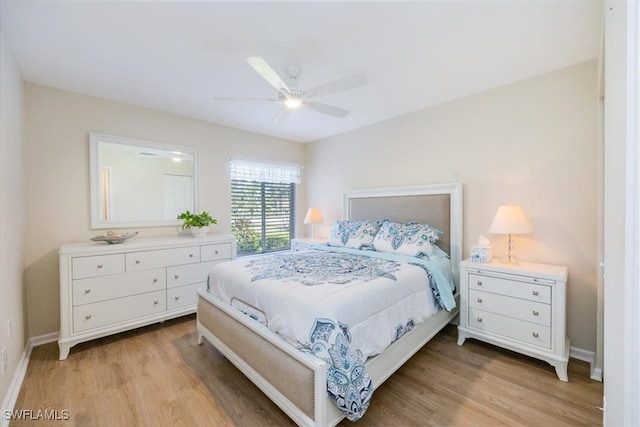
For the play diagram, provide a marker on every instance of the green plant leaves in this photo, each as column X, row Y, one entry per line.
column 196, row 220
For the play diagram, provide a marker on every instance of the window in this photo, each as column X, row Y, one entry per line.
column 263, row 205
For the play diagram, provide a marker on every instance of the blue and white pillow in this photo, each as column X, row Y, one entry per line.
column 408, row 238
column 354, row 234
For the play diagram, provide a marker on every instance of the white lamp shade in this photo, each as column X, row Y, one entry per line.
column 511, row 219
column 313, row 216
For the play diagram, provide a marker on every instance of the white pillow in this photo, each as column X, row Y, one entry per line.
column 407, row 239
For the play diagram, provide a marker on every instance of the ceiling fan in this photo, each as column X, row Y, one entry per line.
column 292, row 98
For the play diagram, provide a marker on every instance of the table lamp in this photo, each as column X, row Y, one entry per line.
column 313, row 217
column 510, row 219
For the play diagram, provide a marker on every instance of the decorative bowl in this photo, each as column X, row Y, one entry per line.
column 112, row 237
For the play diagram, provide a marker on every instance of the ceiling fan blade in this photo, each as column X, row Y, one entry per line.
column 338, row 85
column 281, row 115
column 244, row 99
column 268, row 73
column 327, row 109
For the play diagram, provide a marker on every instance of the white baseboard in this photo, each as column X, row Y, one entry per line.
column 589, row 357
column 596, row 374
column 16, row 384
column 21, row 370
column 44, row 339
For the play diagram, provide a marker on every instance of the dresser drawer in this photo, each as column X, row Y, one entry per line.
column 512, row 288
column 215, row 252
column 182, row 275
column 99, row 314
column 99, row 265
column 94, row 289
column 529, row 311
column 183, row 296
column 520, row 330
column 136, row 261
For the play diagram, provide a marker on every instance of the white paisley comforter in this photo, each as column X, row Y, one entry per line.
column 342, row 305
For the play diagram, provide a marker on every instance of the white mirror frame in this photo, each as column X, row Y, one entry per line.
column 94, row 180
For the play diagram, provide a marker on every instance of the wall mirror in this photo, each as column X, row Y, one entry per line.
column 136, row 183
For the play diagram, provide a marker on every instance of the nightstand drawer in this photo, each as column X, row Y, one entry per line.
column 511, row 288
column 529, row 311
column 520, row 330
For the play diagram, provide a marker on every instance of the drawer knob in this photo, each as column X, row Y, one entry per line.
column 535, row 293
column 176, row 276
column 99, row 266
column 190, row 255
column 535, row 313
column 155, row 280
column 480, row 319
column 215, row 252
column 177, row 297
column 137, row 261
column 155, row 302
column 479, row 300
column 535, row 280
column 479, row 282
column 87, row 317
column 536, row 335
column 87, row 291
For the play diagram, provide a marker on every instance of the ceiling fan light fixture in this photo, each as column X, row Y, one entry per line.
column 292, row 103
column 292, row 98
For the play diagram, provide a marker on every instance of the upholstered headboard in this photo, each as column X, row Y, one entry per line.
column 439, row 205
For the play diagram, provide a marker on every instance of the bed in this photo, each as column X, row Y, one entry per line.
column 296, row 380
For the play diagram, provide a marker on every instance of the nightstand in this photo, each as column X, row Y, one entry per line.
column 305, row 243
column 520, row 307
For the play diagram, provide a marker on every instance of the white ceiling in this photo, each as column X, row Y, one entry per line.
column 178, row 56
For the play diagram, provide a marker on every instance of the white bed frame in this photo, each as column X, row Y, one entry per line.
column 296, row 381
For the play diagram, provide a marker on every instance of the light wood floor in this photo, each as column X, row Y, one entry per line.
column 159, row 376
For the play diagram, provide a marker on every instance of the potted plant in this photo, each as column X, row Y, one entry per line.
column 197, row 223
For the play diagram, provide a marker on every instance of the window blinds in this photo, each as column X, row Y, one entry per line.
column 263, row 205
column 255, row 171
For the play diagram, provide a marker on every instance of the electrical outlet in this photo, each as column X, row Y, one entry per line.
column 5, row 360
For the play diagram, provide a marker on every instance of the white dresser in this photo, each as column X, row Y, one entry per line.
column 521, row 307
column 106, row 289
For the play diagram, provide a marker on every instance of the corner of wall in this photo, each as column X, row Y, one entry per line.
column 12, row 248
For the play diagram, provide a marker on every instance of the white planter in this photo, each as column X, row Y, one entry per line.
column 199, row 231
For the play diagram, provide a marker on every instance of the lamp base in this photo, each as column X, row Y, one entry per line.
column 510, row 259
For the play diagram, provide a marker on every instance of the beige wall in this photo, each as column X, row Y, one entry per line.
column 532, row 143
column 12, row 214
column 58, row 126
